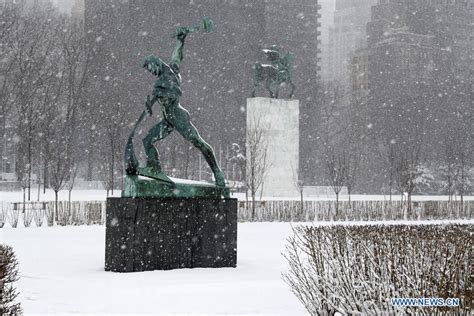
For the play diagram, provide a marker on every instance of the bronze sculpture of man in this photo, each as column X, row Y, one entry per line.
column 167, row 93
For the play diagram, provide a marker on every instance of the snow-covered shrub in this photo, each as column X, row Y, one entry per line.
column 358, row 269
column 78, row 214
column 63, row 214
column 93, row 213
column 296, row 211
column 8, row 275
column 28, row 217
column 13, row 216
column 39, row 217
column 50, row 213
column 3, row 215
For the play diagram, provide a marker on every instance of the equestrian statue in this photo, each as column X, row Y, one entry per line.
column 273, row 75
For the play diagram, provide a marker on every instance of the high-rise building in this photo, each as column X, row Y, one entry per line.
column 27, row 3
column 346, row 37
column 217, row 69
column 419, row 70
column 360, row 77
column 77, row 10
column 447, row 24
column 327, row 26
column 418, row 42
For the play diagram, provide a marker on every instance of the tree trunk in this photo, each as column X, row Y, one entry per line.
column 4, row 151
column 24, row 200
column 390, row 186
column 29, row 167
column 55, row 215
column 112, row 147
column 89, row 165
column 461, row 189
column 246, row 196
column 39, row 187
column 45, row 171
column 301, row 201
column 186, row 164
column 122, row 177
column 409, row 202
column 253, row 205
column 69, row 201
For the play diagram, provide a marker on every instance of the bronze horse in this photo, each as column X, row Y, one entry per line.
column 274, row 74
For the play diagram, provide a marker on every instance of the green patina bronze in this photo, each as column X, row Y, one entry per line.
column 150, row 181
column 273, row 75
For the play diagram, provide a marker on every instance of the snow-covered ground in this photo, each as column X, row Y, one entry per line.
column 61, row 271
column 76, row 195
column 101, row 195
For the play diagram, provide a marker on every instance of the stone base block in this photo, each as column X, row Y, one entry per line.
column 144, row 234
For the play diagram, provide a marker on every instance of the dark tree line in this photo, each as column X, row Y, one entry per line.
column 44, row 70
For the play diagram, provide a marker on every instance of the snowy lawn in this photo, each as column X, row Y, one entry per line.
column 62, row 272
column 76, row 195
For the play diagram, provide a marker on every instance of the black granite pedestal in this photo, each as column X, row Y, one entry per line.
column 144, row 234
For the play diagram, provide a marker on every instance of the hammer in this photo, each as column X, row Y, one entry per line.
column 206, row 25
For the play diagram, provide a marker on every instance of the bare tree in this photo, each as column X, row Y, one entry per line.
column 75, row 63
column 112, row 151
column 71, row 182
column 333, row 138
column 9, row 17
column 60, row 162
column 353, row 142
column 32, row 46
column 336, row 161
column 461, row 157
column 352, row 171
column 449, row 167
column 408, row 170
column 298, row 181
column 238, row 162
column 113, row 139
column 257, row 157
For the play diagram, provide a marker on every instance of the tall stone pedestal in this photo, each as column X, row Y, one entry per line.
column 278, row 122
column 144, row 234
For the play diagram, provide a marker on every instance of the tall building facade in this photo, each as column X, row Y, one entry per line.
column 77, row 10
column 327, row 29
column 415, row 44
column 347, row 36
column 419, row 64
column 217, row 74
column 27, row 3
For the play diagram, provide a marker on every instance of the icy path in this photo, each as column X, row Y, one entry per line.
column 62, row 272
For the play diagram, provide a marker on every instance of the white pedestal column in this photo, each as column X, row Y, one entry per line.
column 278, row 120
